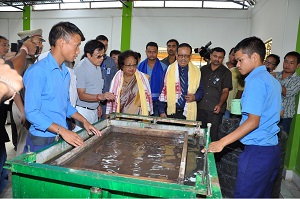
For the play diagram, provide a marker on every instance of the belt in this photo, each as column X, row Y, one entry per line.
column 86, row 107
column 37, row 140
column 179, row 109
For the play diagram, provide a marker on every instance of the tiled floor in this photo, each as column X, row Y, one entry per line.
column 288, row 189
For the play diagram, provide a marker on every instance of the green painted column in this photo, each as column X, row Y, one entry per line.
column 26, row 17
column 292, row 158
column 126, row 26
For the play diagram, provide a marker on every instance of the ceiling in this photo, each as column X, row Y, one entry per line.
column 19, row 4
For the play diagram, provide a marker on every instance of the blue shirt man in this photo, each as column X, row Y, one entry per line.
column 47, row 102
column 156, row 70
column 259, row 163
column 43, row 105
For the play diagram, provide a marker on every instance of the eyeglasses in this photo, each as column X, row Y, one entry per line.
column 100, row 56
column 129, row 66
column 183, row 56
column 5, row 45
column 266, row 62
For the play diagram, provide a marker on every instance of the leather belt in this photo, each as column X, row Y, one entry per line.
column 87, row 108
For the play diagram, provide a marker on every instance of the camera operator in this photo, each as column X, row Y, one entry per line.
column 217, row 83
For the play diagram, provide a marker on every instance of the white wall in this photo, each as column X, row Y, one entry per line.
column 224, row 28
column 279, row 20
column 194, row 26
column 276, row 19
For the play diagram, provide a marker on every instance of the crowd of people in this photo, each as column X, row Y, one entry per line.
column 59, row 98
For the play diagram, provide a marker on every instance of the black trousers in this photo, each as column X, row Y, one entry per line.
column 205, row 117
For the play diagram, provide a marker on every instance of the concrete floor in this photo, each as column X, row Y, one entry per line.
column 288, row 189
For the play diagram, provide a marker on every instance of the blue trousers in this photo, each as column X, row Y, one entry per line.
column 258, row 167
column 286, row 124
column 32, row 145
column 3, row 172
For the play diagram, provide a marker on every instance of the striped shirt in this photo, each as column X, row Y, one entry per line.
column 292, row 85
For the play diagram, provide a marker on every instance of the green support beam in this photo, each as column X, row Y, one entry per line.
column 26, row 18
column 126, row 26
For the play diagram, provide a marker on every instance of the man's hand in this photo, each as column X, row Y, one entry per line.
column 190, row 97
column 31, row 46
column 163, row 115
column 71, row 137
column 214, row 147
column 217, row 109
column 107, row 96
column 90, row 129
column 99, row 109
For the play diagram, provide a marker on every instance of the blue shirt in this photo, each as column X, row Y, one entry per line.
column 262, row 97
column 47, row 96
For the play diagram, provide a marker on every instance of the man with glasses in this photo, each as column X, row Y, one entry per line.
column 22, row 125
column 156, row 70
column 108, row 68
column 90, row 83
column 217, row 81
column 182, row 87
column 172, row 45
column 271, row 62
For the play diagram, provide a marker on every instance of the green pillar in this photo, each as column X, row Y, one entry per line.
column 292, row 158
column 126, row 26
column 26, row 18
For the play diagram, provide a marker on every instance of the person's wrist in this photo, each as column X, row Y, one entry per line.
column 25, row 49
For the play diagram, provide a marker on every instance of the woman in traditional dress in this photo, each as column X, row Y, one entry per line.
column 130, row 87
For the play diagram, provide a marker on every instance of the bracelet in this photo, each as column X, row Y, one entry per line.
column 24, row 48
column 11, row 85
column 57, row 136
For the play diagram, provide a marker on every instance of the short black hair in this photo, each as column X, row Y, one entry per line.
column 63, row 30
column 102, row 38
column 139, row 55
column 295, row 54
column 232, row 49
column 252, row 45
column 152, row 43
column 114, row 52
column 4, row 38
column 173, row 40
column 184, row 45
column 124, row 55
column 91, row 46
column 219, row 50
column 276, row 57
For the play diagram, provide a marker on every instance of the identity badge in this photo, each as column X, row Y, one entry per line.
column 108, row 71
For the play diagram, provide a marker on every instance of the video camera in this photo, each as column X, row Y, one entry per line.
column 15, row 47
column 204, row 51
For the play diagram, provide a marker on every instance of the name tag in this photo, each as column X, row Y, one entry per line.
column 108, row 71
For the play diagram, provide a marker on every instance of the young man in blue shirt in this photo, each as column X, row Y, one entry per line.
column 259, row 163
column 47, row 100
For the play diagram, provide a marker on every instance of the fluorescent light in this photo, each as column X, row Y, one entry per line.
column 74, row 5
column 184, row 4
column 148, row 3
column 46, row 7
column 9, row 8
column 220, row 4
column 116, row 4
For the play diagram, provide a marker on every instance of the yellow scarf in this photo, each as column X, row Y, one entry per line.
column 194, row 75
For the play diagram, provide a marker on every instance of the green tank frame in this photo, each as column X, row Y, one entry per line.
column 33, row 178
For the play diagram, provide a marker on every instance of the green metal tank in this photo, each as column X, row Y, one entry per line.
column 49, row 174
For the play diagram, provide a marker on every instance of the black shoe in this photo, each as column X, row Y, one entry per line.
column 15, row 148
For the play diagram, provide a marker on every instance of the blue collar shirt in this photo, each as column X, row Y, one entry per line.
column 47, row 98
